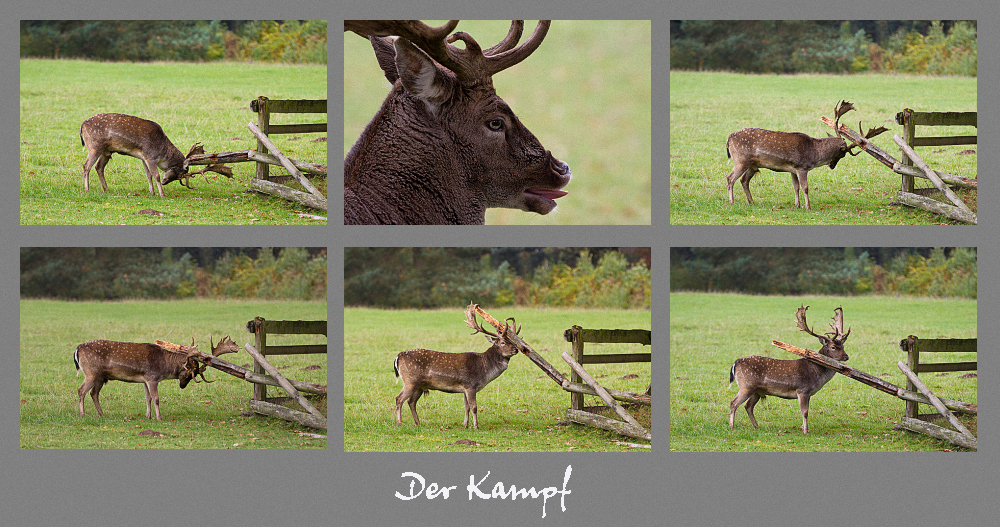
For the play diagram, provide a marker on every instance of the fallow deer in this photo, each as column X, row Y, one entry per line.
column 796, row 153
column 799, row 379
column 104, row 360
column 114, row 133
column 423, row 370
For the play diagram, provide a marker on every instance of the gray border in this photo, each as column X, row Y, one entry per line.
column 117, row 487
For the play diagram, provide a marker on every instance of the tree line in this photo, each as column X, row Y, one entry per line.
column 289, row 41
column 115, row 273
column 430, row 277
column 825, row 46
column 916, row 271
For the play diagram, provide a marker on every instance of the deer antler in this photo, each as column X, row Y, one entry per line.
column 838, row 326
column 470, row 320
column 195, row 364
column 471, row 65
column 800, row 321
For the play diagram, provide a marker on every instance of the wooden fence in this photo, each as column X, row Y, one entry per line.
column 262, row 328
column 264, row 107
column 909, row 119
column 914, row 346
column 578, row 336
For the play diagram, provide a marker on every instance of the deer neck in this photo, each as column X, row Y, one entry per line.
column 422, row 178
column 490, row 364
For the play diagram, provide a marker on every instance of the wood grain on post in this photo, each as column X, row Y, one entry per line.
column 285, row 385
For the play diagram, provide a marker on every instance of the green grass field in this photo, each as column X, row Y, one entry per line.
column 208, row 103
column 518, row 411
column 584, row 93
column 199, row 416
column 708, row 331
column 706, row 107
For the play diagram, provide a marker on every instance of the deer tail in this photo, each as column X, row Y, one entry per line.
column 395, row 367
column 76, row 360
column 732, row 371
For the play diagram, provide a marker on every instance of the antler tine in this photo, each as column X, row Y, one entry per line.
column 500, row 61
column 838, row 325
column 513, row 36
column 513, row 323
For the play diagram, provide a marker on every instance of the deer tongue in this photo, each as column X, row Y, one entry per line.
column 549, row 194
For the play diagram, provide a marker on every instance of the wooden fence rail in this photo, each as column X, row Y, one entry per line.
column 909, row 119
column 262, row 328
column 577, row 336
column 914, row 346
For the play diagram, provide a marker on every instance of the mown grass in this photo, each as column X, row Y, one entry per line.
column 705, row 107
column 518, row 411
column 708, row 331
column 193, row 102
column 199, row 416
column 584, row 93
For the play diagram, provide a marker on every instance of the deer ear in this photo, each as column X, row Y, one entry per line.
column 420, row 76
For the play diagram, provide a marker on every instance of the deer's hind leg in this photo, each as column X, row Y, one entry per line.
column 739, row 172
column 745, row 181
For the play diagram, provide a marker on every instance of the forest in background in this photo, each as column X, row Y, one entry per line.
column 430, row 277
column 116, row 273
column 287, row 41
column 917, row 47
column 915, row 271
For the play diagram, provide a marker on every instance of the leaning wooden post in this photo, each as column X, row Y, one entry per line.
column 931, row 175
column 601, row 392
column 285, row 162
column 941, row 408
column 285, row 385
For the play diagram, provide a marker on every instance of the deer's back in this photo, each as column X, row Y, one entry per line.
column 124, row 361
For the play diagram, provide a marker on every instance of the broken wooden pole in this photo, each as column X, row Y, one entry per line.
column 935, row 402
column 939, row 432
column 938, row 207
column 930, row 174
column 511, row 334
column 871, row 380
column 282, row 191
column 601, row 392
column 951, row 179
column 627, row 397
column 276, row 410
column 285, row 385
column 613, row 425
column 285, row 162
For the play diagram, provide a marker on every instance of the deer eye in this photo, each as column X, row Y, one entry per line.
column 496, row 125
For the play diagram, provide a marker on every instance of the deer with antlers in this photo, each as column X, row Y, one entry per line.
column 752, row 149
column 799, row 379
column 115, row 133
column 444, row 147
column 104, row 360
column 467, row 373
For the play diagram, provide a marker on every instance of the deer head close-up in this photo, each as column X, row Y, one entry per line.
column 444, row 146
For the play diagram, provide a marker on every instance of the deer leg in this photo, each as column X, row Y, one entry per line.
column 102, row 161
column 745, row 181
column 413, row 404
column 153, row 173
column 802, row 175
column 735, row 404
column 89, row 384
column 750, row 404
column 804, row 408
column 731, row 180
column 95, row 394
column 470, row 404
column 402, row 397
